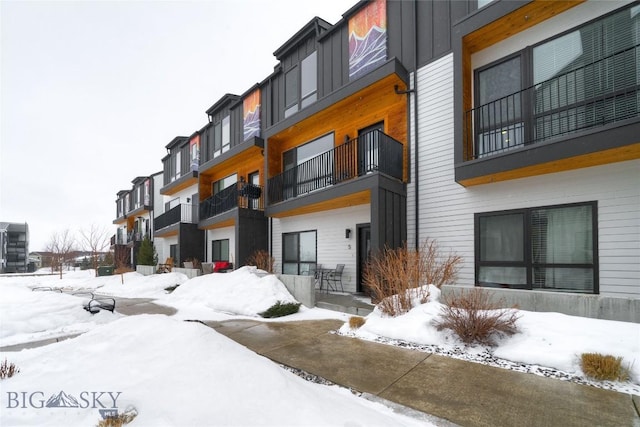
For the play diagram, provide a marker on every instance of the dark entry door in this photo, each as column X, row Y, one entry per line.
column 363, row 251
column 368, row 148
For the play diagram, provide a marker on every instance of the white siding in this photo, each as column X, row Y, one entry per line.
column 221, row 234
column 447, row 209
column 332, row 246
column 162, row 245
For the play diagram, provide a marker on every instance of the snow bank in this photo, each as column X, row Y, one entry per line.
column 175, row 373
column 246, row 291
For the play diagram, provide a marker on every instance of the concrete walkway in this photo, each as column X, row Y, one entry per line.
column 465, row 393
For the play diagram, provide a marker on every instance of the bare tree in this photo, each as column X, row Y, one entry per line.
column 95, row 240
column 61, row 246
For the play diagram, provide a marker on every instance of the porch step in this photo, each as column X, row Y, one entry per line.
column 344, row 303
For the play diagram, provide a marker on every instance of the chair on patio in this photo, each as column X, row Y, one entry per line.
column 166, row 267
column 334, row 277
column 207, row 267
column 312, row 271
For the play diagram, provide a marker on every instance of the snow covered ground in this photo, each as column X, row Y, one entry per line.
column 184, row 373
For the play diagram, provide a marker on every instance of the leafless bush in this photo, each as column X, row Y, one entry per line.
column 356, row 322
column 7, row 370
column 475, row 318
column 397, row 276
column 263, row 260
column 603, row 367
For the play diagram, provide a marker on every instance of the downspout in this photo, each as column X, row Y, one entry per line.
column 414, row 91
column 415, row 118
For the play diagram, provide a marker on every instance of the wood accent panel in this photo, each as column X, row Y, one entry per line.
column 375, row 103
column 519, row 20
column 228, row 223
column 187, row 183
column 243, row 164
column 614, row 155
column 360, row 198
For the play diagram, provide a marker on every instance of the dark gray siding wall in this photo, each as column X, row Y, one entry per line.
column 251, row 235
column 434, row 21
column 433, row 32
column 333, row 58
column 388, row 218
column 237, row 134
column 191, row 243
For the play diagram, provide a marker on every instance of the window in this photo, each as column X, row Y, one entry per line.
column 550, row 248
column 299, row 251
column 226, row 134
column 299, row 95
column 224, row 183
column 308, row 80
column 220, row 250
column 302, row 174
column 499, row 118
column 583, row 78
column 291, row 92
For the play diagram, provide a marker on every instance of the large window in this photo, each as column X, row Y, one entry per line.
column 224, row 183
column 299, row 252
column 550, row 248
column 220, row 250
column 585, row 77
column 304, row 170
column 301, row 85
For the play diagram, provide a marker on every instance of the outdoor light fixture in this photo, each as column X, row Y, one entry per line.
column 347, row 233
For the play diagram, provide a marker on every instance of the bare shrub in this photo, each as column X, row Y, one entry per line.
column 356, row 322
column 7, row 370
column 263, row 260
column 123, row 269
column 604, row 367
column 120, row 420
column 397, row 276
column 475, row 318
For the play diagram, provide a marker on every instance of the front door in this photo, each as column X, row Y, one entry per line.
column 363, row 251
column 254, row 179
column 368, row 148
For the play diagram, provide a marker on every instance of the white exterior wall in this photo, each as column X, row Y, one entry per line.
column 447, row 209
column 221, row 234
column 332, row 246
column 162, row 247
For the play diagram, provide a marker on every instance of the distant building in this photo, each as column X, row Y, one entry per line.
column 14, row 247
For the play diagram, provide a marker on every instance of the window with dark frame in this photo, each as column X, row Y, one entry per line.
column 220, row 250
column 301, row 84
column 299, row 251
column 550, row 248
column 588, row 76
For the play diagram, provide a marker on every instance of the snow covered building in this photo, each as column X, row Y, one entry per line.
column 506, row 130
column 231, row 180
column 175, row 226
column 526, row 147
column 134, row 217
column 14, row 247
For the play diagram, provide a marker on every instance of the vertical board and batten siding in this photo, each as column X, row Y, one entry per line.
column 332, row 246
column 221, row 234
column 447, row 209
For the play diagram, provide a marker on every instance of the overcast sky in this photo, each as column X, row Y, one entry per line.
column 92, row 91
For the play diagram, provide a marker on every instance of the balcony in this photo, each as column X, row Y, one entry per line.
column 597, row 96
column 136, row 236
column 183, row 213
column 241, row 195
column 371, row 152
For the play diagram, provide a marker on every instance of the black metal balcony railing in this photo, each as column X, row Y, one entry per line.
column 239, row 195
column 136, row 236
column 370, row 152
column 183, row 213
column 599, row 93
